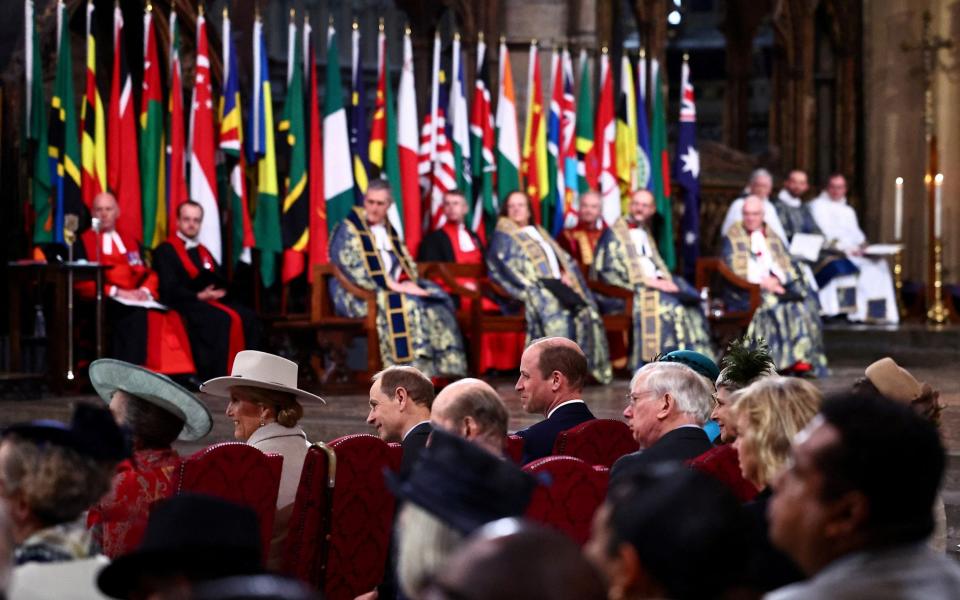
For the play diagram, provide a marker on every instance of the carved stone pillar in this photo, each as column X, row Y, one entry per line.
column 739, row 28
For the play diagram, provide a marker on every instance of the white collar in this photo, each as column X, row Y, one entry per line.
column 825, row 197
column 554, row 409
column 789, row 199
column 111, row 240
column 190, row 243
column 464, row 239
column 414, row 427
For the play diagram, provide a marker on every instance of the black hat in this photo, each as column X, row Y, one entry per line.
column 462, row 484
column 200, row 537
column 92, row 432
column 254, row 587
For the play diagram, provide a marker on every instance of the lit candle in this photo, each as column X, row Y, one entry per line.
column 898, row 211
column 938, row 206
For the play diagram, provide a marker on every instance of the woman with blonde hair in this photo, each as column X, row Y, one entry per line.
column 265, row 409
column 768, row 414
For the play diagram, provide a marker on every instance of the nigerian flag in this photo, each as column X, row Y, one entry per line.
column 337, row 170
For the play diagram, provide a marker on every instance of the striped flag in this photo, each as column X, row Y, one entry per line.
column 626, row 144
column 231, row 143
column 319, row 252
column 359, row 143
column 177, row 192
column 202, row 167
column 481, row 142
column 556, row 163
column 605, row 138
column 534, row 162
column 151, row 140
column 337, row 171
column 407, row 143
column 266, row 218
column 295, row 219
column 93, row 145
column 660, row 170
column 508, row 146
column 436, row 162
column 459, row 119
column 568, row 212
column 687, row 171
column 62, row 140
column 123, row 167
column 587, row 167
column 643, row 133
column 35, row 128
column 384, row 152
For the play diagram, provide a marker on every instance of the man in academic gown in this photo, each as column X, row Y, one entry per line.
column 875, row 299
column 141, row 335
column 191, row 282
column 581, row 241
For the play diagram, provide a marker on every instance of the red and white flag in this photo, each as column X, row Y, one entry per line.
column 605, row 143
column 123, row 166
column 202, row 166
column 438, row 173
column 407, row 141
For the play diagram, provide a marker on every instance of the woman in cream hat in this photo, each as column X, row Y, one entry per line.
column 265, row 409
column 156, row 412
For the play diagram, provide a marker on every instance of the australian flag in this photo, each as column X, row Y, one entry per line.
column 687, row 173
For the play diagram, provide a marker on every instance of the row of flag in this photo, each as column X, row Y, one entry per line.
column 152, row 163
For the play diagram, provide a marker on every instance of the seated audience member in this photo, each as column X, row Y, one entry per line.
column 144, row 336
column 400, row 402
column 761, row 186
column 156, row 412
column 365, row 247
column 668, row 532
column 703, row 365
column 769, row 413
column 527, row 262
column 581, row 241
column 553, row 372
column 744, row 363
column 627, row 258
column 454, row 241
column 265, row 409
column 193, row 284
column 666, row 408
column 512, row 559
column 888, row 379
column 50, row 473
column 854, row 507
column 784, row 319
column 472, row 409
column 875, row 300
column 190, row 539
column 455, row 488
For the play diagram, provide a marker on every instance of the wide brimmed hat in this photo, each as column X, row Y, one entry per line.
column 462, row 484
column 261, row 370
column 201, row 537
column 109, row 375
column 92, row 432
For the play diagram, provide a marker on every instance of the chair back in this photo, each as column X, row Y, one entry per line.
column 513, row 447
column 304, row 551
column 361, row 516
column 598, row 441
column 573, row 492
column 238, row 473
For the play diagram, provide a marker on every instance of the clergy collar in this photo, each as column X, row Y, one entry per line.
column 825, row 196
column 190, row 243
column 789, row 199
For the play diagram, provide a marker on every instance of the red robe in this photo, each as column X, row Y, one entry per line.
column 499, row 351
column 581, row 242
column 166, row 343
column 119, row 521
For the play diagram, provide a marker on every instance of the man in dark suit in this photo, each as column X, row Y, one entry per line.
column 400, row 402
column 666, row 408
column 553, row 372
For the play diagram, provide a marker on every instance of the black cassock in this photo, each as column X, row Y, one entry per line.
column 217, row 330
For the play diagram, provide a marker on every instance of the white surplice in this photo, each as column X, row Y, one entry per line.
column 770, row 217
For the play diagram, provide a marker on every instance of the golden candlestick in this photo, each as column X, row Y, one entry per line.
column 938, row 311
column 898, row 283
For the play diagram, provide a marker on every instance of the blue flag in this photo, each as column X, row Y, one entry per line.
column 644, row 180
column 359, row 136
column 687, row 174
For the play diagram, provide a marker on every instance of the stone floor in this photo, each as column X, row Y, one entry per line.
column 346, row 412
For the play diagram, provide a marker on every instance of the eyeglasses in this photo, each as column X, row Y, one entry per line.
column 632, row 398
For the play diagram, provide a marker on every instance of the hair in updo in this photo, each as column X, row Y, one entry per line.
column 284, row 404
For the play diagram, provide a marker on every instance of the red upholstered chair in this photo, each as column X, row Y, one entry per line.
column 513, row 447
column 304, row 552
column 238, row 473
column 598, row 442
column 574, row 493
column 361, row 516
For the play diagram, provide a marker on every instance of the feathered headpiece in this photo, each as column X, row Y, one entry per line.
column 745, row 360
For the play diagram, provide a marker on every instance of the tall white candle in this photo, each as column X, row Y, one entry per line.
column 898, row 211
column 938, row 206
